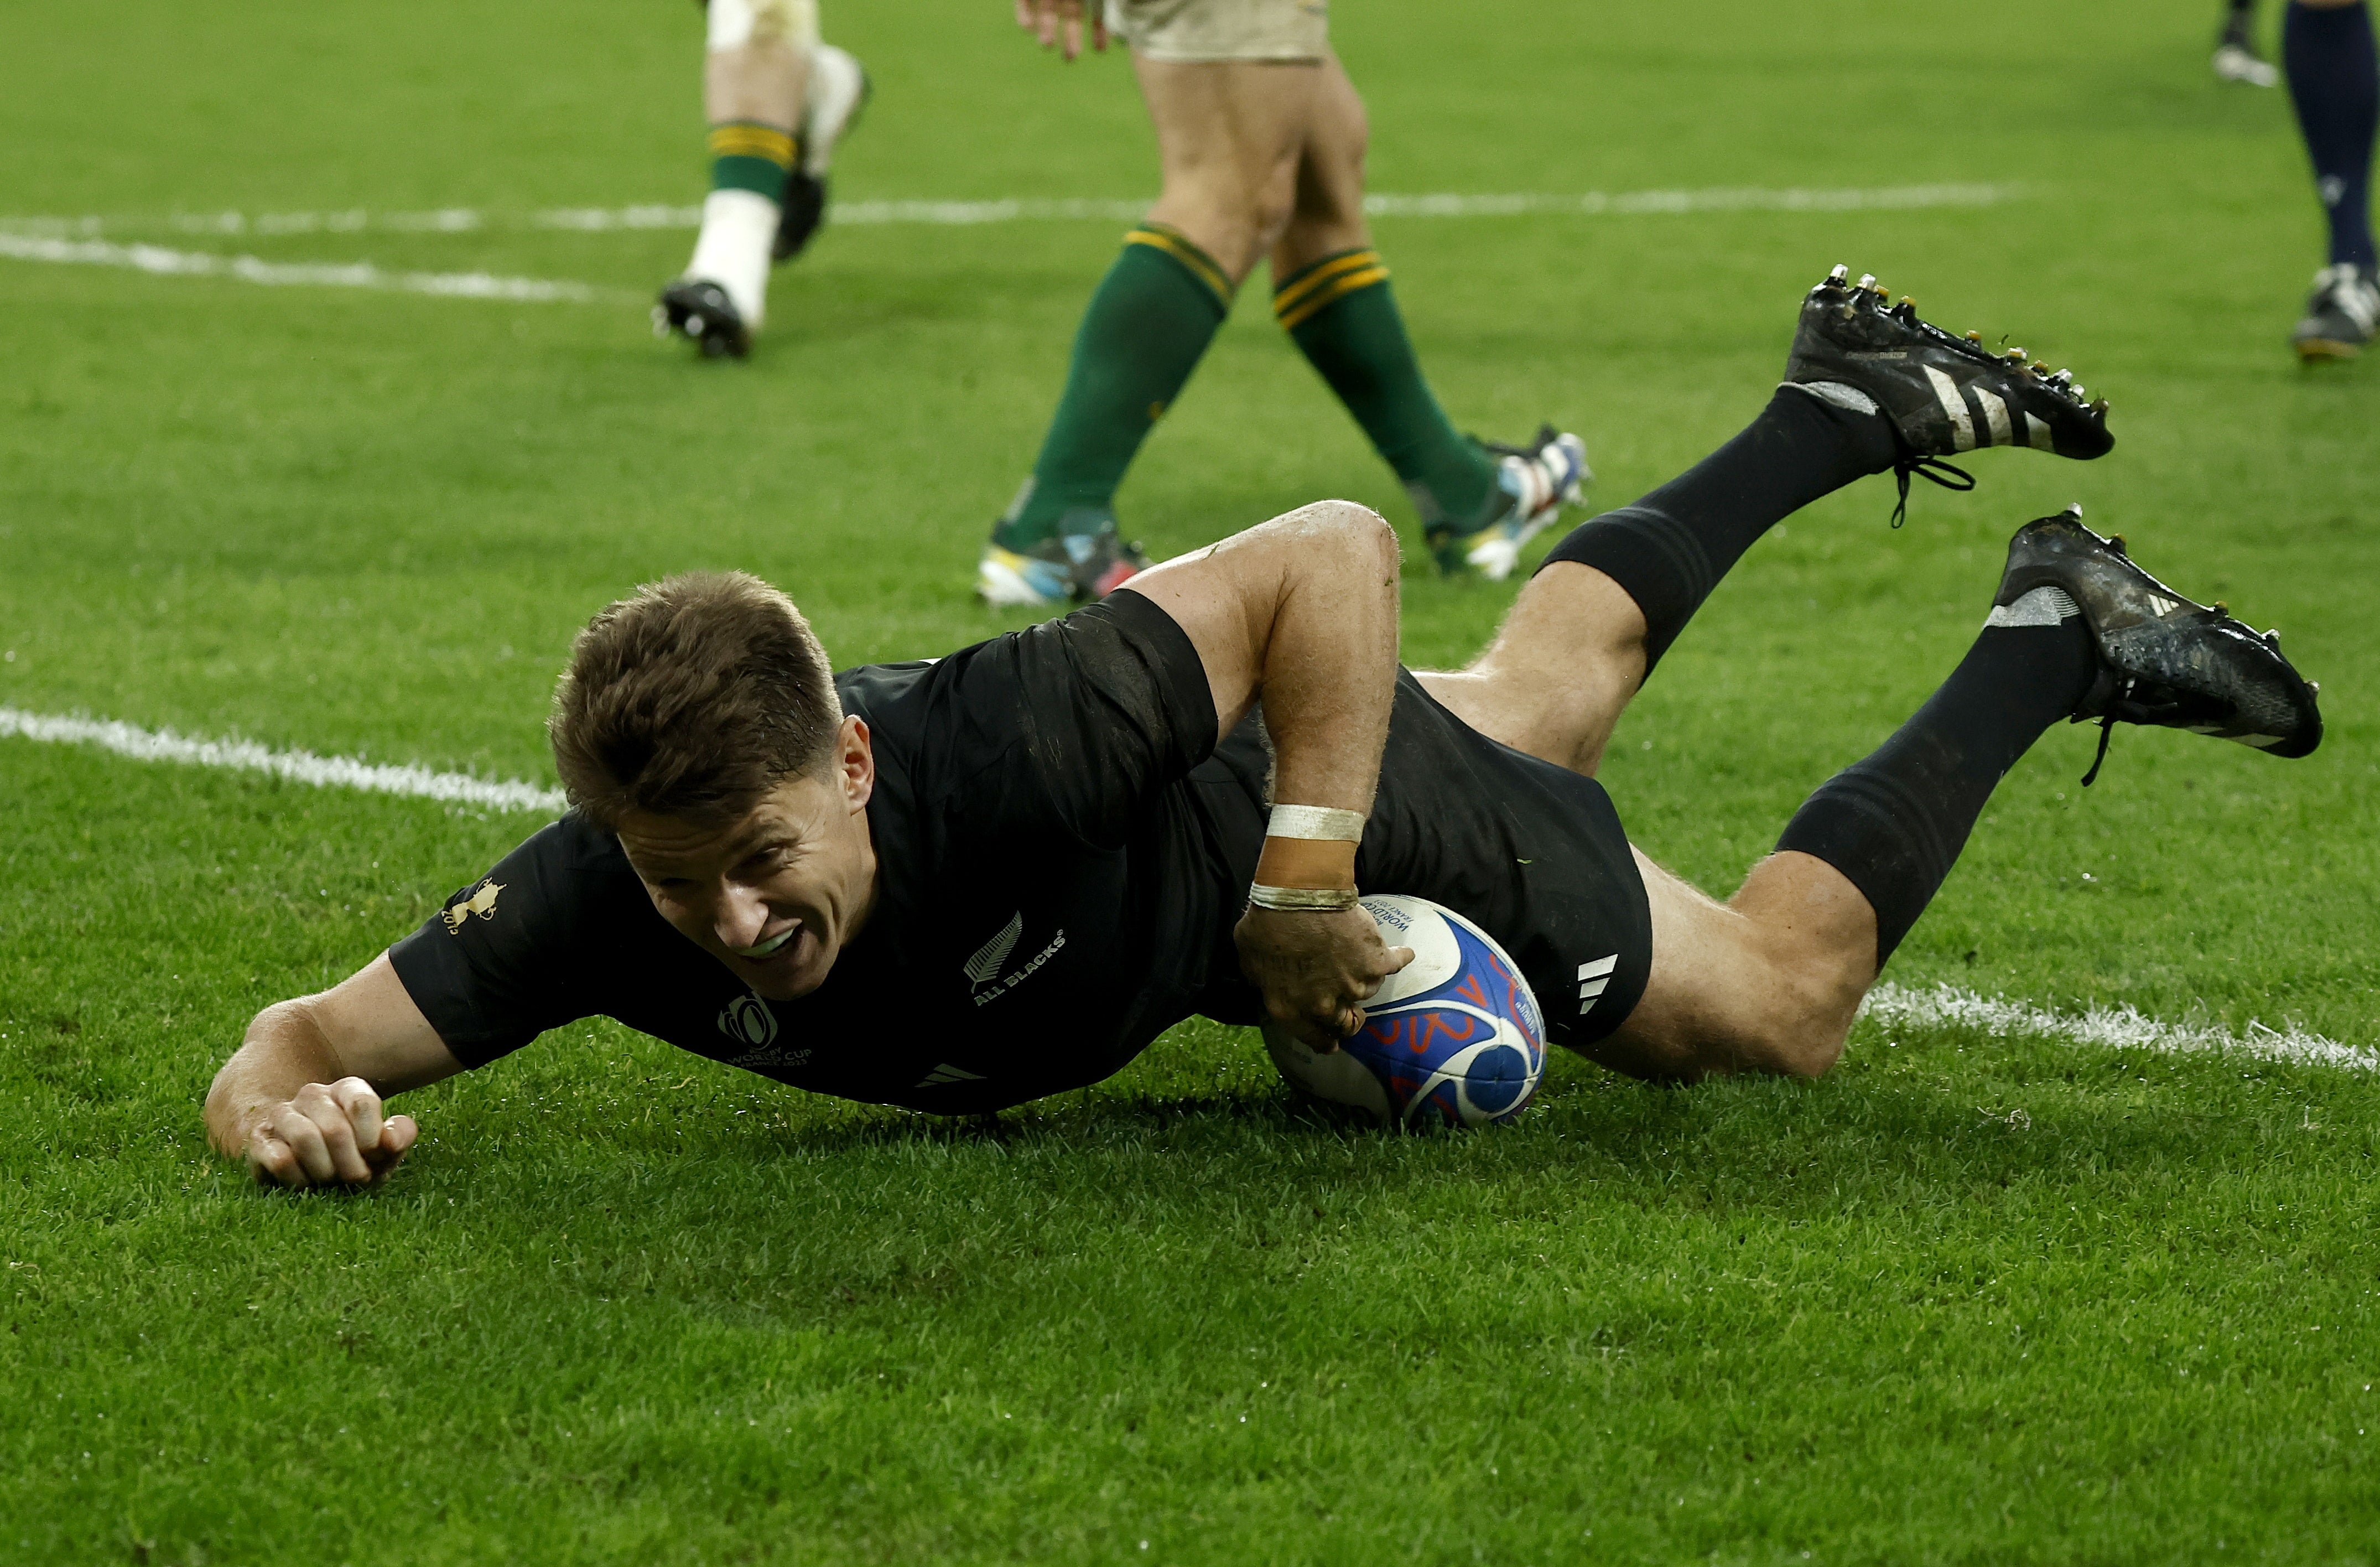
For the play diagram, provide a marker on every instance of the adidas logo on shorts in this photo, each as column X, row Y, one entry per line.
column 1592, row 978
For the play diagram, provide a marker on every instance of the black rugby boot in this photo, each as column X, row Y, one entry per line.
column 1944, row 394
column 801, row 207
column 2163, row 658
column 699, row 312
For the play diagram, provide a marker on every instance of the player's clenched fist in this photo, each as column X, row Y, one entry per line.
column 1060, row 23
column 1316, row 969
column 327, row 1135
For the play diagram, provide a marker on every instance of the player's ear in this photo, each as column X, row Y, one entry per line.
column 856, row 762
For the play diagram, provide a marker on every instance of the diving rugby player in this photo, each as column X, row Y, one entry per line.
column 958, row 884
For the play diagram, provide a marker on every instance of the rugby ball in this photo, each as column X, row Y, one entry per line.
column 1453, row 1039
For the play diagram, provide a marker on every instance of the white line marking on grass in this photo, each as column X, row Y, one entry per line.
column 298, row 767
column 250, row 269
column 2121, row 1028
column 604, row 220
column 1636, row 204
column 600, row 220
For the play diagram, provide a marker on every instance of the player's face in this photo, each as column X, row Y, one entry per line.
column 776, row 895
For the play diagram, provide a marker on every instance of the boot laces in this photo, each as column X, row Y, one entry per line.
column 2116, row 704
column 2107, row 733
column 1949, row 476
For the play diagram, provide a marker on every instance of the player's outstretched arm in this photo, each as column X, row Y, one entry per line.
column 1060, row 23
column 300, row 1100
column 1301, row 612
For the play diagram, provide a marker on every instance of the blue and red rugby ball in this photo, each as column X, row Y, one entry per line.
column 1453, row 1039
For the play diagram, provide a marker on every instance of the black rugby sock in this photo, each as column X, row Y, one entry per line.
column 1894, row 824
column 1670, row 549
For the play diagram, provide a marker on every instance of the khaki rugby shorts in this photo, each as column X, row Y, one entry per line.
column 1189, row 32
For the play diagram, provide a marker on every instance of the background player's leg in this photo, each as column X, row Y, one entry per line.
column 2328, row 48
column 755, row 72
column 1331, row 294
column 2335, row 84
column 1229, row 137
column 2236, row 57
column 1613, row 595
column 1770, row 981
column 1227, row 134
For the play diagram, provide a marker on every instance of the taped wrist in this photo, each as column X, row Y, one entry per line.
column 1316, row 824
column 1301, row 899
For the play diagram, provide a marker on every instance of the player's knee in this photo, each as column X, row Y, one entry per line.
column 1806, row 1050
column 1803, row 1035
column 1773, row 1018
column 1270, row 212
column 1360, row 528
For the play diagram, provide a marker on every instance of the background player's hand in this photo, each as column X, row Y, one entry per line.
column 328, row 1134
column 1058, row 23
column 1316, row 970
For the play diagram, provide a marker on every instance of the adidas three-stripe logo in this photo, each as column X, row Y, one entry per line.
column 2000, row 425
column 946, row 1073
column 1592, row 978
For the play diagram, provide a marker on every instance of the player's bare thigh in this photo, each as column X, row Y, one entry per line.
column 1564, row 666
column 1768, row 981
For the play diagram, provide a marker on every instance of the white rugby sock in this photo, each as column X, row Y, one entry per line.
column 738, row 227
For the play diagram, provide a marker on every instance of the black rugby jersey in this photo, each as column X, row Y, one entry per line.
column 1063, row 851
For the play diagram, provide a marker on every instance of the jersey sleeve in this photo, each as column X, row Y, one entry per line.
column 1081, row 722
column 503, row 960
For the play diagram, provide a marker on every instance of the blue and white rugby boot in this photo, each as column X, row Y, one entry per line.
column 1087, row 561
column 2163, row 658
column 838, row 90
column 1535, row 482
column 1944, row 394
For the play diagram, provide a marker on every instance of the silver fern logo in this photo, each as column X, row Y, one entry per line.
column 984, row 967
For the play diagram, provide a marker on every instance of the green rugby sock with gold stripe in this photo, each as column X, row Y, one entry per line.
column 1150, row 319
column 748, row 155
column 1342, row 316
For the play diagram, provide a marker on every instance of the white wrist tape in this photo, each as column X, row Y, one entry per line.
column 1316, row 822
column 1301, row 899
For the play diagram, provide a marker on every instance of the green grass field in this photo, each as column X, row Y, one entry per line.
column 1974, row 1298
